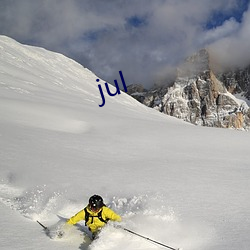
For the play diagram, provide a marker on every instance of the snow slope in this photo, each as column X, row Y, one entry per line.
column 176, row 183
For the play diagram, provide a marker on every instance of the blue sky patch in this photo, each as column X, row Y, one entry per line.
column 136, row 21
column 219, row 17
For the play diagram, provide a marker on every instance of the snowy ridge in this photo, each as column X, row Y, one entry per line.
column 40, row 73
column 182, row 185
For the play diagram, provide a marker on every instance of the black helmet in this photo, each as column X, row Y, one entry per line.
column 96, row 202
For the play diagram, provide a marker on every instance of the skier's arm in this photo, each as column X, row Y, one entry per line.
column 110, row 214
column 77, row 217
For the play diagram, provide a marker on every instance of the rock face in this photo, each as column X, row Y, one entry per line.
column 237, row 81
column 201, row 97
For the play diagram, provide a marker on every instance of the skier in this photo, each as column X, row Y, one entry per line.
column 95, row 214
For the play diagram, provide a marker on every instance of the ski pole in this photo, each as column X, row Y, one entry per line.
column 45, row 228
column 146, row 238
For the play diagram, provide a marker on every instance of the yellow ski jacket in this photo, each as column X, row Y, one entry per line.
column 94, row 223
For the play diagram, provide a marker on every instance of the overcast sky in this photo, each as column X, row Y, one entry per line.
column 143, row 38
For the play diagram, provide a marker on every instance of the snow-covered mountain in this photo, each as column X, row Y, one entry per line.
column 182, row 185
column 201, row 96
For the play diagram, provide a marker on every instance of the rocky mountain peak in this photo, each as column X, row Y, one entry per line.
column 200, row 96
column 196, row 64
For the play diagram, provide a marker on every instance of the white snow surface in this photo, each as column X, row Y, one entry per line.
column 182, row 185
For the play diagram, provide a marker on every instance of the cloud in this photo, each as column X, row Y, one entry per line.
column 232, row 50
column 145, row 39
column 228, row 28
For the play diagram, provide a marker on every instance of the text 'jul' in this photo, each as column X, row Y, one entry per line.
column 108, row 91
